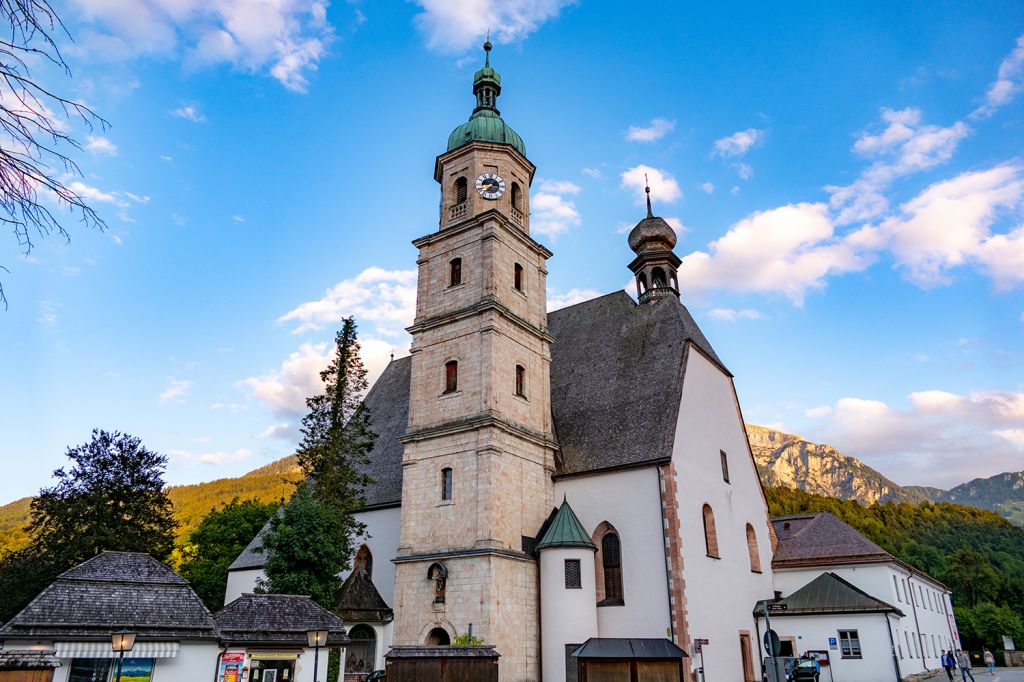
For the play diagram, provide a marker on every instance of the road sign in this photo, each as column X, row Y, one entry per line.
column 699, row 644
column 832, row 643
column 772, row 644
column 777, row 607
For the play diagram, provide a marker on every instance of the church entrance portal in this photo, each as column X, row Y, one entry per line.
column 438, row 637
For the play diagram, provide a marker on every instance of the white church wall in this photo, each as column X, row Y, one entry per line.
column 382, row 527
column 568, row 615
column 630, row 501
column 241, row 582
column 720, row 593
column 812, row 633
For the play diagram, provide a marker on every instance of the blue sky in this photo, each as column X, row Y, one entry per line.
column 847, row 183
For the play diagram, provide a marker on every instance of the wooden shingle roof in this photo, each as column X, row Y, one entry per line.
column 827, row 594
column 277, row 619
column 822, row 540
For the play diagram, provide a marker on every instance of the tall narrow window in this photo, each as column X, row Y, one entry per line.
column 725, row 466
column 517, row 279
column 460, row 190
column 455, row 272
column 517, row 197
column 451, row 376
column 364, row 561
column 755, row 557
column 896, row 584
column 710, row 535
column 446, row 484
column 611, row 561
column 849, row 644
column 520, row 381
column 573, row 579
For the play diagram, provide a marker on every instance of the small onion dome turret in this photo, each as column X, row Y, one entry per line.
column 565, row 530
column 652, row 233
column 486, row 124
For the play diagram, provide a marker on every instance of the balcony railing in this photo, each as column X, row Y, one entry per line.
column 458, row 211
column 517, row 215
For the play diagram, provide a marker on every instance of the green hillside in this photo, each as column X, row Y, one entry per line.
column 269, row 483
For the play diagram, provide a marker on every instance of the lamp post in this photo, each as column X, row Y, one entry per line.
column 316, row 639
column 122, row 641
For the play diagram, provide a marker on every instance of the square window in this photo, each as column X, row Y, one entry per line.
column 573, row 579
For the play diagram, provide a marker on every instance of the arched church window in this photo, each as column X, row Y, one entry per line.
column 517, row 197
column 520, row 381
column 364, row 561
column 658, row 278
column 446, row 484
column 710, row 535
column 438, row 574
column 517, row 278
column 461, row 190
column 451, row 376
column 611, row 561
column 675, row 282
column 438, row 637
column 362, row 652
column 642, row 282
column 755, row 557
column 455, row 272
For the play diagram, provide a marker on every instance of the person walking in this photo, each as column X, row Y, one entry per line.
column 990, row 661
column 948, row 664
column 964, row 661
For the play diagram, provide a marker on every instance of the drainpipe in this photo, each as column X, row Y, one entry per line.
column 892, row 646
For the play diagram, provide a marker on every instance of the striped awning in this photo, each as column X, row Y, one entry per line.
column 104, row 650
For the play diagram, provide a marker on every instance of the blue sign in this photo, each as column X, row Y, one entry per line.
column 832, row 644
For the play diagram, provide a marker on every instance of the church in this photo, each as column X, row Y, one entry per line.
column 575, row 488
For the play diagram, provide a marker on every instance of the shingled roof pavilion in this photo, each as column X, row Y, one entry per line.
column 279, row 619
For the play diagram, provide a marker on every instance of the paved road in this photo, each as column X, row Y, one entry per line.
column 981, row 675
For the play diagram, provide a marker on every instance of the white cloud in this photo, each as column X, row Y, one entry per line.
column 282, row 430
column 286, row 38
column 558, row 187
column 744, row 170
column 189, row 112
column 664, row 188
column 949, row 224
column 570, row 297
column 676, row 223
column 384, row 298
column 455, row 25
column 737, row 144
column 735, row 190
column 942, row 438
column 218, row 457
column 903, row 148
column 1008, row 83
column 815, row 412
column 176, row 391
column 707, row 187
column 592, row 172
column 287, row 388
column 788, row 250
column 551, row 214
column 658, row 128
column 730, row 315
column 99, row 145
column 238, row 218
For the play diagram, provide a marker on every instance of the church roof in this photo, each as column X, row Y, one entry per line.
column 616, row 383
column 828, row 593
column 565, row 530
column 359, row 600
column 822, row 539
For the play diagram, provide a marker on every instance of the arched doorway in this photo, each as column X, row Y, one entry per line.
column 438, row 637
column 362, row 652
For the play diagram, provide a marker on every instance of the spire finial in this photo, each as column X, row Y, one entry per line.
column 647, row 189
column 487, row 50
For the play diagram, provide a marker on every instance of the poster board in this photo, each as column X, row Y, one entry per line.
column 232, row 665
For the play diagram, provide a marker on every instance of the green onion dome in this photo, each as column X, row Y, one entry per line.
column 486, row 124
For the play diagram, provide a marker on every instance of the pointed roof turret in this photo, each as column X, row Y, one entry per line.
column 565, row 530
column 656, row 264
column 486, row 123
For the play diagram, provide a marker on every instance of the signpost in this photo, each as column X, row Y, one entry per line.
column 772, row 645
column 698, row 648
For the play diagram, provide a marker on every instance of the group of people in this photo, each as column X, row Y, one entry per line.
column 963, row 662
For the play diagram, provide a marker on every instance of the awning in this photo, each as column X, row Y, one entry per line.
column 104, row 650
column 598, row 647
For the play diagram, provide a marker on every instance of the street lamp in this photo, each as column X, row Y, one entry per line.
column 316, row 639
column 122, row 641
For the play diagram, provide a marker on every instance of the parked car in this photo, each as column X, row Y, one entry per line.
column 804, row 670
column 377, row 675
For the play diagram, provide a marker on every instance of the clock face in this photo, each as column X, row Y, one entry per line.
column 490, row 186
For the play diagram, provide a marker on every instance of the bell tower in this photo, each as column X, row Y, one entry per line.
column 480, row 448
column 656, row 264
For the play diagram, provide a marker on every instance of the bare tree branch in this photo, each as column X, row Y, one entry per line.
column 32, row 132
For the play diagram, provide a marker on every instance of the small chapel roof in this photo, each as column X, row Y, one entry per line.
column 828, row 593
column 360, row 601
column 565, row 530
column 277, row 618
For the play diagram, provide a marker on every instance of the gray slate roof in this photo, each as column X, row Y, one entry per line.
column 251, row 557
column 616, row 381
column 277, row 619
column 620, row 648
column 115, row 590
column 828, row 593
column 822, row 539
column 360, row 601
